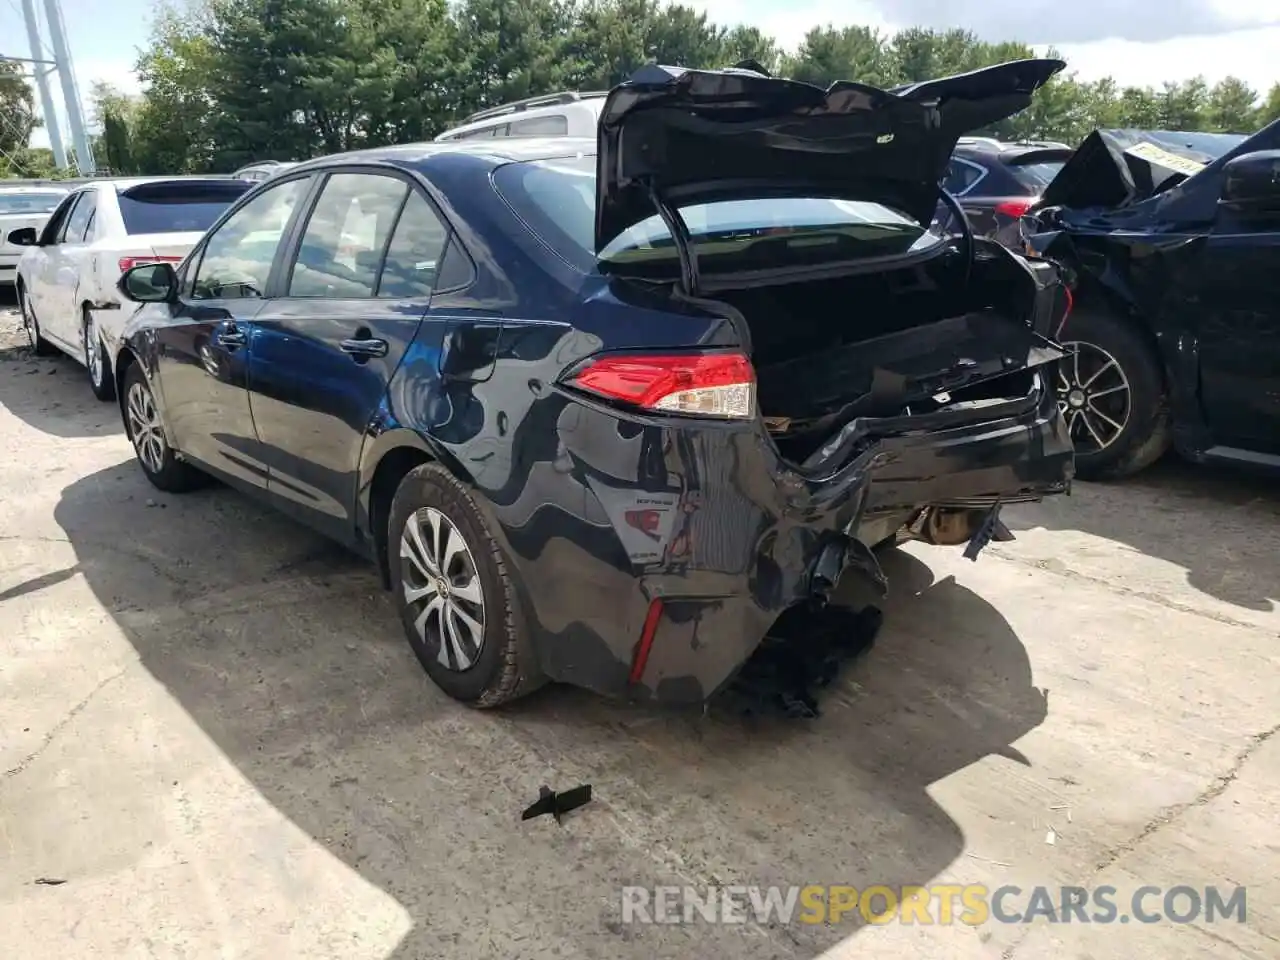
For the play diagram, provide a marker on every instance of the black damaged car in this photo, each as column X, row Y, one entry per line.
column 1174, row 243
column 601, row 412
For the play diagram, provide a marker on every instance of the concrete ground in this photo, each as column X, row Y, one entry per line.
column 213, row 732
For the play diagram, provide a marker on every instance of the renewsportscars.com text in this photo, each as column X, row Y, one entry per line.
column 942, row 904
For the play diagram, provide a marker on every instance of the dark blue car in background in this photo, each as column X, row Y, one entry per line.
column 601, row 412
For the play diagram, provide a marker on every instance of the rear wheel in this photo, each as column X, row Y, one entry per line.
column 95, row 359
column 145, row 430
column 39, row 345
column 457, row 601
column 1111, row 392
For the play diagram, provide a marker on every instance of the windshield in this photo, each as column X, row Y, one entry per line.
column 557, row 199
column 29, row 202
column 177, row 207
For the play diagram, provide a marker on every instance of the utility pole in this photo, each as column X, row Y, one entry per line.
column 70, row 95
column 40, row 67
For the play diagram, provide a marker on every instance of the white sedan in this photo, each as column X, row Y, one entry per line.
column 24, row 206
column 67, row 275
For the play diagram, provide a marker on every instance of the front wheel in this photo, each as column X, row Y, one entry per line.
column 1111, row 392
column 145, row 430
column 457, row 601
column 95, row 359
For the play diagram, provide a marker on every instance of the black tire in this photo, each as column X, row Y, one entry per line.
column 39, row 345
column 503, row 667
column 160, row 464
column 1145, row 433
column 101, row 382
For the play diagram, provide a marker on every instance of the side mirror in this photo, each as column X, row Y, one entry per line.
column 1251, row 183
column 23, row 237
column 149, row 283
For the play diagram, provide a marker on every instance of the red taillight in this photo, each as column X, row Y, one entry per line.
column 708, row 384
column 1014, row 208
column 127, row 263
column 1069, row 302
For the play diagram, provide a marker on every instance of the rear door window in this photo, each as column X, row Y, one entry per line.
column 177, row 207
column 346, row 234
column 413, row 257
column 962, row 177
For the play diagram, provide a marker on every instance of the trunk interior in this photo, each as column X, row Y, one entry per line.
column 910, row 341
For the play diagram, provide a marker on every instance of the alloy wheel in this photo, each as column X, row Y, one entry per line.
column 441, row 585
column 92, row 351
column 1093, row 395
column 145, row 428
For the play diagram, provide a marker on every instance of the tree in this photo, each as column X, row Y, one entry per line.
column 1269, row 112
column 1231, row 107
column 232, row 81
column 828, row 54
column 17, row 108
column 1182, row 105
column 116, row 113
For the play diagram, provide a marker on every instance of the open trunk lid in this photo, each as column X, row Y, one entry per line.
column 671, row 137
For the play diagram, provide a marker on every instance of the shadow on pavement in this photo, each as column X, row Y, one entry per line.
column 1221, row 525
column 51, row 394
column 290, row 658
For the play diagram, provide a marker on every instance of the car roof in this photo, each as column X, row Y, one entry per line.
column 495, row 152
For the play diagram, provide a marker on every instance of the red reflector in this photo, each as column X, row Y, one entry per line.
column 714, row 384
column 127, row 263
column 1014, row 208
column 646, row 640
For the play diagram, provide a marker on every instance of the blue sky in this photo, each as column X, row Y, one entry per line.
column 1136, row 42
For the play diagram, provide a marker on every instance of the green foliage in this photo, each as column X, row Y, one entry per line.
column 17, row 108
column 234, row 81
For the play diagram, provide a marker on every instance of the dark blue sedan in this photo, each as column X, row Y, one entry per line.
column 602, row 412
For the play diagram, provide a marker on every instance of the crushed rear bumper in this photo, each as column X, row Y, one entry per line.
column 703, row 532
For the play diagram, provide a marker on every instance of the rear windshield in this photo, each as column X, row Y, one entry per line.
column 557, row 198
column 178, row 207
column 29, row 202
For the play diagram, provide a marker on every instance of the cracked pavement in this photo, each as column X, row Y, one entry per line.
column 212, row 730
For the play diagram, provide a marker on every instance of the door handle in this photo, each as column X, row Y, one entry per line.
column 232, row 338
column 364, row 348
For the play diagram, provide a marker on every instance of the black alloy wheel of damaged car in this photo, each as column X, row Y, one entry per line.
column 1112, row 394
column 460, row 609
column 145, row 429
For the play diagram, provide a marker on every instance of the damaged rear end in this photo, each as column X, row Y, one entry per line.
column 850, row 376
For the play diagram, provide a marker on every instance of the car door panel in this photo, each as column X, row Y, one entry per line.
column 68, row 267
column 36, row 273
column 52, row 298
column 204, row 354
column 360, row 282
column 1231, row 282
